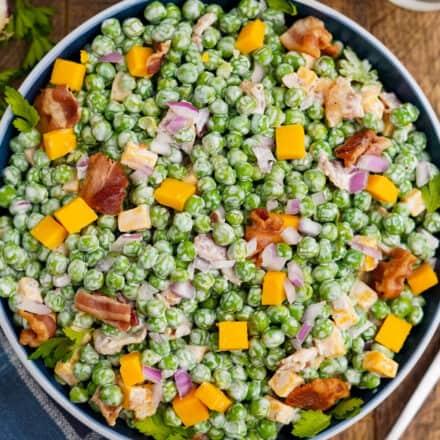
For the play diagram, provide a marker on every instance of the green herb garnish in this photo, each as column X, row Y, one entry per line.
column 27, row 117
column 156, row 428
column 311, row 423
column 286, row 6
column 351, row 66
column 347, row 408
column 431, row 194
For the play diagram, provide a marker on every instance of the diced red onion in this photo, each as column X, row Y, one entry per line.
column 20, row 206
column 105, row 264
column 292, row 206
column 289, row 290
column 173, row 125
column 141, row 175
column 358, row 181
column 309, row 227
column 222, row 264
column 81, row 167
column 290, row 236
column 201, row 264
column 31, row 306
column 152, row 374
column 303, row 333
column 265, row 158
column 271, row 205
column 183, row 382
column 366, row 250
column 161, row 144
column 230, row 275
column 295, row 274
column 257, row 73
column 373, row 163
column 112, row 57
column 184, row 289
column 354, row 331
column 61, row 280
column 423, row 173
column 271, row 260
column 265, row 141
column 319, row 198
column 251, row 247
column 312, row 311
column 201, row 121
column 122, row 240
column 185, row 109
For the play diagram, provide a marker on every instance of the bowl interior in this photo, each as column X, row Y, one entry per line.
column 394, row 79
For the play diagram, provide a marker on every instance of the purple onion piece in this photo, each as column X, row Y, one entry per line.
column 312, row 311
column 303, row 332
column 271, row 260
column 152, row 374
column 183, row 382
column 291, row 236
column 292, row 206
column 309, row 227
column 295, row 274
column 112, row 57
column 201, row 121
column 358, row 181
column 373, row 163
column 184, row 289
column 289, row 290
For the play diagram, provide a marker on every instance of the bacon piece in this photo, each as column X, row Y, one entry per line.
column 57, row 108
column 309, row 35
column 319, row 394
column 378, row 145
column 110, row 413
column 155, row 61
column 42, row 328
column 105, row 308
column 354, row 147
column 341, row 101
column 104, row 185
column 388, row 279
column 265, row 228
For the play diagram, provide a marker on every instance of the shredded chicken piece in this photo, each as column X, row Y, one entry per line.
column 388, row 279
column 301, row 359
column 42, row 328
column 118, row 93
column 203, row 23
column 310, row 36
column 319, row 394
column 109, row 345
column 57, row 108
column 155, row 61
column 257, row 92
column 104, row 188
column 110, row 413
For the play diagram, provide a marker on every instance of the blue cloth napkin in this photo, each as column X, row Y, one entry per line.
column 26, row 411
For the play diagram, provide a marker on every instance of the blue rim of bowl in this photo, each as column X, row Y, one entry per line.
column 7, row 325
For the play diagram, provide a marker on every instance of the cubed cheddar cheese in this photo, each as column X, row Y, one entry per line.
column 136, row 59
column 251, row 37
column 49, row 232
column 205, row 57
column 233, row 335
column 368, row 263
column 212, row 397
column 279, row 412
column 83, row 56
column 393, row 333
column 136, row 219
column 76, row 215
column 344, row 313
column 376, row 362
column 284, row 381
column 333, row 346
column 414, row 201
column 69, row 73
column 131, row 368
column 137, row 157
column 422, row 278
column 288, row 220
column 190, row 409
column 290, row 142
column 174, row 193
column 363, row 295
column 273, row 288
column 382, row 189
column 58, row 143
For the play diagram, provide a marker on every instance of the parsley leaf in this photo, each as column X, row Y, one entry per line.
column 347, row 408
column 311, row 423
column 431, row 194
column 286, row 6
column 356, row 69
column 27, row 116
column 156, row 427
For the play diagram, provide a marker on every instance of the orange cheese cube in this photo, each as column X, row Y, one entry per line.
column 393, row 333
column 58, row 143
column 414, row 201
column 69, row 73
column 290, row 142
column 83, row 56
column 212, row 397
column 273, row 288
column 49, row 232
column 205, row 57
column 174, row 193
column 382, row 188
column 421, row 279
column 288, row 220
column 251, row 37
column 233, row 335
column 136, row 59
column 76, row 215
column 190, row 409
column 376, row 362
column 307, row 77
column 131, row 369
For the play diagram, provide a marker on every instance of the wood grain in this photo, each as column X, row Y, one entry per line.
column 415, row 39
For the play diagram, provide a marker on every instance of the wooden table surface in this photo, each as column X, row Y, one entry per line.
column 415, row 39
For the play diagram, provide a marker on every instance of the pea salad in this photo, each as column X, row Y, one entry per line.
column 217, row 223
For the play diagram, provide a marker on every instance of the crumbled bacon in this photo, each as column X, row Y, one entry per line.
column 42, row 328
column 310, row 36
column 57, row 108
column 155, row 61
column 104, row 186
column 378, row 145
column 388, row 279
column 110, row 413
column 354, row 147
column 342, row 101
column 265, row 228
column 319, row 394
column 105, row 308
